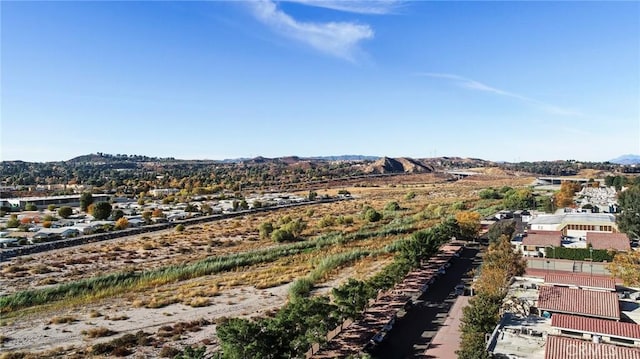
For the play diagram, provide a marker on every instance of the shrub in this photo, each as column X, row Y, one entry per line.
column 98, row 332
column 265, row 229
column 281, row 235
column 65, row 212
column 371, row 215
column 62, row 320
column 392, row 206
column 180, row 228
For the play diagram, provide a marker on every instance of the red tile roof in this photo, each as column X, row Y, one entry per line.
column 596, row 326
column 563, row 348
column 543, row 238
column 577, row 301
column 600, row 240
column 581, row 281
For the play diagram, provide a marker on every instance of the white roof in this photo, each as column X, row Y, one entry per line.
column 574, row 218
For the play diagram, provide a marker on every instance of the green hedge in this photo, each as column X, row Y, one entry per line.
column 580, row 254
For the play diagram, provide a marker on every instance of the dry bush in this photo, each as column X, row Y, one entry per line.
column 199, row 302
column 94, row 314
column 47, row 281
column 40, row 269
column 14, row 269
column 63, row 319
column 99, row 332
column 169, row 352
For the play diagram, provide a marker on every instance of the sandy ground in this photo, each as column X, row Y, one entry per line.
column 37, row 334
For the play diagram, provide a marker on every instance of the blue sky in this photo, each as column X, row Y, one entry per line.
column 510, row 81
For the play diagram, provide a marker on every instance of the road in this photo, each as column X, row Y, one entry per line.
column 412, row 334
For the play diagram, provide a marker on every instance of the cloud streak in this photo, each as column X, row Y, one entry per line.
column 369, row 7
column 339, row 39
column 471, row 84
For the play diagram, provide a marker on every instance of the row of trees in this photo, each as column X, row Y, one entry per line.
column 480, row 317
column 626, row 266
column 304, row 321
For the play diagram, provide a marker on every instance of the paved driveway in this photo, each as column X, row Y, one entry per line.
column 411, row 335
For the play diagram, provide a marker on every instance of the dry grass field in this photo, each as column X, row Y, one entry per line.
column 165, row 293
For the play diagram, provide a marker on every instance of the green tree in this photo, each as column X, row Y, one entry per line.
column 473, row 346
column 243, row 339
column 629, row 217
column 490, row 193
column 13, row 221
column 86, row 199
column 30, row 207
column 522, row 198
column 312, row 195
column 352, row 297
column 101, row 210
column 192, row 353
column 117, row 214
column 51, row 207
column 65, row 211
column 505, row 227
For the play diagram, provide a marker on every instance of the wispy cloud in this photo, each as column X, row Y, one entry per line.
column 479, row 86
column 372, row 7
column 340, row 39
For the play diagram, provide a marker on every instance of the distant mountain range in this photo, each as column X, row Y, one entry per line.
column 626, row 160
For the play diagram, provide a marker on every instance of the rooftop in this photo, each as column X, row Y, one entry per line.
column 543, row 238
column 577, row 301
column 562, row 348
column 574, row 218
column 617, row 241
column 596, row 326
column 581, row 281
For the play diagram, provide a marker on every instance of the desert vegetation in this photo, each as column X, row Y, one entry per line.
column 140, row 288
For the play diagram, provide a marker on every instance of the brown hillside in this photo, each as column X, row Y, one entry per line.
column 397, row 165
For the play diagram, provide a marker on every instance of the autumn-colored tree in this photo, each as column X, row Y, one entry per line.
column 500, row 254
column 469, row 223
column 626, row 266
column 157, row 213
column 122, row 223
column 568, row 189
column 46, row 224
column 494, row 281
column 26, row 220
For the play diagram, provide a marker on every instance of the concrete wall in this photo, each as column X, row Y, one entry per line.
column 582, row 267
